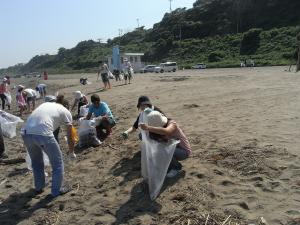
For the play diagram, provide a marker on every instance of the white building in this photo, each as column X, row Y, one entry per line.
column 134, row 58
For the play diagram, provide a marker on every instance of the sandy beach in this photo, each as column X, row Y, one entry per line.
column 243, row 125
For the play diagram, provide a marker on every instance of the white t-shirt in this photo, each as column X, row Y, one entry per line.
column 30, row 92
column 47, row 118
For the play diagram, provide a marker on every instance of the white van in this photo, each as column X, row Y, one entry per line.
column 166, row 67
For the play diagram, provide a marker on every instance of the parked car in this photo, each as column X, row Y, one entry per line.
column 247, row 63
column 148, row 68
column 199, row 66
column 166, row 67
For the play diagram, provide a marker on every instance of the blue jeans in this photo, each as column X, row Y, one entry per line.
column 35, row 145
column 179, row 155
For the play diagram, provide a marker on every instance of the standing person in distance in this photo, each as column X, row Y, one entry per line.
column 103, row 71
column 127, row 70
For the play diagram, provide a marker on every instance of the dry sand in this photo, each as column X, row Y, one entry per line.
column 243, row 125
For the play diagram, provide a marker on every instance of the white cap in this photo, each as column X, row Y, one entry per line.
column 156, row 119
column 77, row 94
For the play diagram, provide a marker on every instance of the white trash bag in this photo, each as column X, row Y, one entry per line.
column 28, row 160
column 9, row 123
column 87, row 133
column 8, row 98
column 155, row 160
column 84, row 110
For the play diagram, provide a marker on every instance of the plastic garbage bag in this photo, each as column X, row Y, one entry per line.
column 87, row 133
column 155, row 159
column 9, row 123
column 84, row 110
column 74, row 135
column 28, row 160
column 8, row 98
column 110, row 75
column 37, row 94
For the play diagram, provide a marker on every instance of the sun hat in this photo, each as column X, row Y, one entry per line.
column 156, row 119
column 145, row 100
column 77, row 94
column 19, row 87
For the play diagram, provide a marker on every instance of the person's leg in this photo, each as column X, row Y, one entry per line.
column 56, row 133
column 2, row 147
column 179, row 155
column 33, row 102
column 36, row 155
column 28, row 100
column 108, row 83
column 129, row 77
column 51, row 148
column 2, row 96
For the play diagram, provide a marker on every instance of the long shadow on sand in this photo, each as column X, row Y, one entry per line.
column 129, row 168
column 140, row 202
column 17, row 207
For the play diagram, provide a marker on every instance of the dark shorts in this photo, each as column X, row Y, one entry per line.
column 31, row 99
column 104, row 77
column 127, row 75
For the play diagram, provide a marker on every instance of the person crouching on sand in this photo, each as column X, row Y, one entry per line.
column 103, row 115
column 161, row 129
column 37, row 135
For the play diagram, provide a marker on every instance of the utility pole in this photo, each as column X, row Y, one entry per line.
column 170, row 5
column 120, row 32
column 138, row 22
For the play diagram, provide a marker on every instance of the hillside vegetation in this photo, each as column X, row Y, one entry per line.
column 220, row 33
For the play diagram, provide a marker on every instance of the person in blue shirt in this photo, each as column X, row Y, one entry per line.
column 104, row 117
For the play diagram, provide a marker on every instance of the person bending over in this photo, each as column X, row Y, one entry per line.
column 37, row 135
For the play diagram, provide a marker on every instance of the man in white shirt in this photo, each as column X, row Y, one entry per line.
column 30, row 97
column 38, row 137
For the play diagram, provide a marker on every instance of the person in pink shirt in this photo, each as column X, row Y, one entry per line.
column 161, row 129
column 3, row 92
column 20, row 99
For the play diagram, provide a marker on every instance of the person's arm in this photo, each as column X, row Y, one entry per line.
column 167, row 131
column 70, row 140
column 85, row 99
column 89, row 115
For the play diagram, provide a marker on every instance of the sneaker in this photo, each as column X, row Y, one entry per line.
column 172, row 173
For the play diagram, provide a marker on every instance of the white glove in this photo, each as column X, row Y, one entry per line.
column 72, row 156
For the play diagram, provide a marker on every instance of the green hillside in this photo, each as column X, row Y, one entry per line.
column 219, row 33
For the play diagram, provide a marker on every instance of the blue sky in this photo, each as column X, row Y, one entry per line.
column 34, row 27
